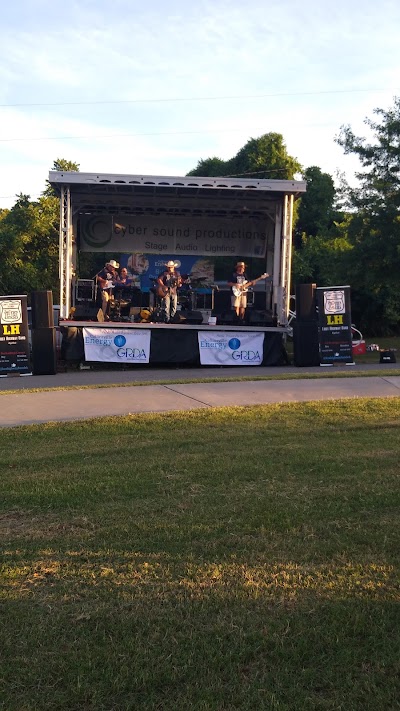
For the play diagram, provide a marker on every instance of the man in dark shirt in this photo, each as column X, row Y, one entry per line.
column 167, row 287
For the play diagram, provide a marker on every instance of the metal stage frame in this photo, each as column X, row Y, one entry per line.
column 269, row 201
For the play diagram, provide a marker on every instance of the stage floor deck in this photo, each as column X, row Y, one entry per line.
column 170, row 326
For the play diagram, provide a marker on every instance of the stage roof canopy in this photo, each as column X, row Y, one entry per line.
column 175, row 196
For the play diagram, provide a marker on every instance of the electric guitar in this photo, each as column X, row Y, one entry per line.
column 239, row 289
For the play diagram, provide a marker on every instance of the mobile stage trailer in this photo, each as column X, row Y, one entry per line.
column 178, row 216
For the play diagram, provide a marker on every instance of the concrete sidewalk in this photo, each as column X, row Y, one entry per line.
column 140, row 374
column 25, row 408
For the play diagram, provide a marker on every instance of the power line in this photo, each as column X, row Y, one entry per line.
column 197, row 98
column 155, row 133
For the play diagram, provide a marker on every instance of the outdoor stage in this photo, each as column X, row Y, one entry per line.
column 144, row 221
column 132, row 344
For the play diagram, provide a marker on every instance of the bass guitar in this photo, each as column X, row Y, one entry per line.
column 239, row 289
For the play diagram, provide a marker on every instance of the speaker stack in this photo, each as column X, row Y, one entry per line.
column 305, row 329
column 44, row 359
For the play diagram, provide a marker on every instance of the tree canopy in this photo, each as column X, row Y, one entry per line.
column 361, row 246
column 263, row 157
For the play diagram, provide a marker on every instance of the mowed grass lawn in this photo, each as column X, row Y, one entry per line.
column 242, row 558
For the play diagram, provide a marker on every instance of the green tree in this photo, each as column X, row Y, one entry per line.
column 316, row 212
column 263, row 157
column 64, row 166
column 373, row 227
column 29, row 241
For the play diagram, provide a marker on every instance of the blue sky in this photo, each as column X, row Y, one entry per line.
column 123, row 86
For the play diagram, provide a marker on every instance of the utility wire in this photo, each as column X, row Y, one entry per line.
column 155, row 133
column 197, row 98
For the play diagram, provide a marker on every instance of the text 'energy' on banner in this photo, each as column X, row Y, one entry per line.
column 116, row 346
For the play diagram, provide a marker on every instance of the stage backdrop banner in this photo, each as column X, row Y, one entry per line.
column 14, row 340
column 146, row 268
column 334, row 324
column 233, row 348
column 114, row 346
column 195, row 236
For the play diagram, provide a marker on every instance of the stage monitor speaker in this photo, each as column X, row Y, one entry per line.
column 88, row 312
column 259, row 318
column 44, row 361
column 305, row 344
column 180, row 317
column 194, row 317
column 306, row 302
column 42, row 309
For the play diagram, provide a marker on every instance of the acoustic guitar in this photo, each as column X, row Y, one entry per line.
column 162, row 290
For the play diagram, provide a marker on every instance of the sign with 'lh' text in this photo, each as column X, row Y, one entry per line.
column 334, row 325
column 14, row 341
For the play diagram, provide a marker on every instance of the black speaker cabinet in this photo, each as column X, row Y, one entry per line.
column 44, row 360
column 387, row 357
column 306, row 302
column 222, row 301
column 42, row 309
column 305, row 344
column 194, row 317
column 88, row 312
column 259, row 318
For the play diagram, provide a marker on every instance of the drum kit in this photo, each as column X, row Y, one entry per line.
column 121, row 303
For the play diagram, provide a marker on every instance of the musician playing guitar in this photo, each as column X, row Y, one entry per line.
column 106, row 279
column 168, row 284
column 240, row 284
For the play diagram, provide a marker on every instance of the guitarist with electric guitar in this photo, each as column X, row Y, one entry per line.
column 168, row 284
column 240, row 285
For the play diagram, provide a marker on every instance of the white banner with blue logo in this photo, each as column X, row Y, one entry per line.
column 233, row 348
column 113, row 345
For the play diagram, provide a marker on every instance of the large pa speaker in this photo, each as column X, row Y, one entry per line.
column 194, row 317
column 305, row 343
column 88, row 312
column 42, row 309
column 306, row 302
column 44, row 361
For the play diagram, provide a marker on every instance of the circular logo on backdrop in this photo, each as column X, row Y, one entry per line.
column 119, row 341
column 96, row 231
column 234, row 344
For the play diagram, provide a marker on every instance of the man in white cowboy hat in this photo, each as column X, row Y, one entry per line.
column 106, row 279
column 238, row 280
column 168, row 284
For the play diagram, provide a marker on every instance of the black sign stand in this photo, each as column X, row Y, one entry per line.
column 14, row 339
column 334, row 325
